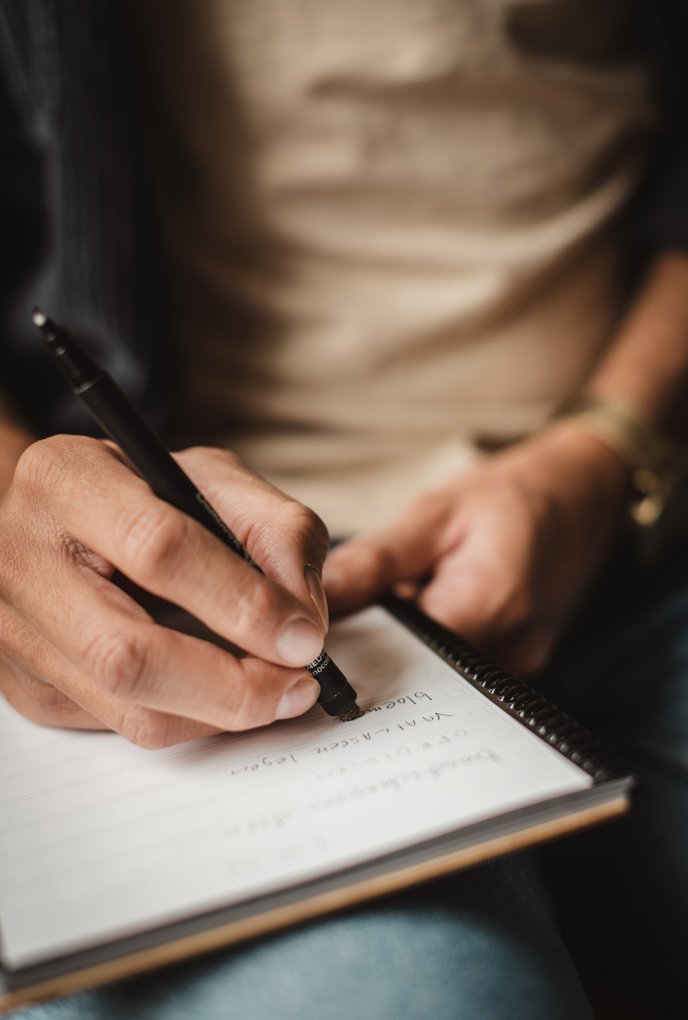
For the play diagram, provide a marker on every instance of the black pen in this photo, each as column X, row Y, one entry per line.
column 122, row 423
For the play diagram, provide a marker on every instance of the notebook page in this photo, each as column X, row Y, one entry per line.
column 100, row 839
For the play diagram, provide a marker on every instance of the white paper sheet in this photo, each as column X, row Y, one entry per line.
column 100, row 839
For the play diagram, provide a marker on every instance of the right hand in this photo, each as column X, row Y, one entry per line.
column 76, row 651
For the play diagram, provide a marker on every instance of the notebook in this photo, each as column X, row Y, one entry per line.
column 115, row 859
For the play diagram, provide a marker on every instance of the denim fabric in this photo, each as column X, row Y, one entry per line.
column 495, row 942
column 482, row 944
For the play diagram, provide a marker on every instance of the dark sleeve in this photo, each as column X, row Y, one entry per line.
column 75, row 194
column 22, row 212
column 661, row 220
column 21, row 190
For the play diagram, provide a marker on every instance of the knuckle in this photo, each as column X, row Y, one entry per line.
column 40, row 464
column 149, row 730
column 153, row 542
column 289, row 518
column 118, row 663
column 43, row 465
column 304, row 521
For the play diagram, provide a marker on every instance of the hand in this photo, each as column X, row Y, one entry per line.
column 77, row 651
column 503, row 553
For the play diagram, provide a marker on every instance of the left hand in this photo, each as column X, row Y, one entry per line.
column 502, row 553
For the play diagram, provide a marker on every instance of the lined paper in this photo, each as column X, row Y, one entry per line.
column 100, row 839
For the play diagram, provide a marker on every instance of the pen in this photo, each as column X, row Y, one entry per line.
column 121, row 422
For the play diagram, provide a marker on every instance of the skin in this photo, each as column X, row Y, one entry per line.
column 504, row 554
column 77, row 651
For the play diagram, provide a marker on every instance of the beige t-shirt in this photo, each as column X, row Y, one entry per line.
column 393, row 227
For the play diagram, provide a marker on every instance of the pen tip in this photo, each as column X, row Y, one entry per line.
column 39, row 318
column 353, row 713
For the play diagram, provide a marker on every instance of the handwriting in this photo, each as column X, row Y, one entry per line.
column 484, row 754
column 405, row 699
column 402, row 780
column 370, row 735
column 265, row 762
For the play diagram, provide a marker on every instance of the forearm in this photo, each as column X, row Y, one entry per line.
column 646, row 366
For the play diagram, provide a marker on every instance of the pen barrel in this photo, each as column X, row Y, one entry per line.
column 337, row 696
column 151, row 459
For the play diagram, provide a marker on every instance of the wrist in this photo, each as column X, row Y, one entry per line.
column 574, row 466
column 652, row 461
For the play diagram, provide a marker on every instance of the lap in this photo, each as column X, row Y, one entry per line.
column 483, row 943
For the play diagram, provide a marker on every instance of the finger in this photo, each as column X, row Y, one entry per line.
column 42, row 702
column 288, row 540
column 480, row 597
column 45, row 705
column 112, row 511
column 478, row 587
column 521, row 646
column 109, row 640
column 359, row 571
column 466, row 596
column 46, row 688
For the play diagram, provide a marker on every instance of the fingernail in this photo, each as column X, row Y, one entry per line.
column 299, row 642
column 317, row 593
column 298, row 699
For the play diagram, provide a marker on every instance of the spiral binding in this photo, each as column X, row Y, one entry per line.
column 555, row 727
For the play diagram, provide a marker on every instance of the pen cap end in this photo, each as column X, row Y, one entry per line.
column 79, row 369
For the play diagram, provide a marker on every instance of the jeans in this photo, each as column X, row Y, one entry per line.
column 507, row 939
